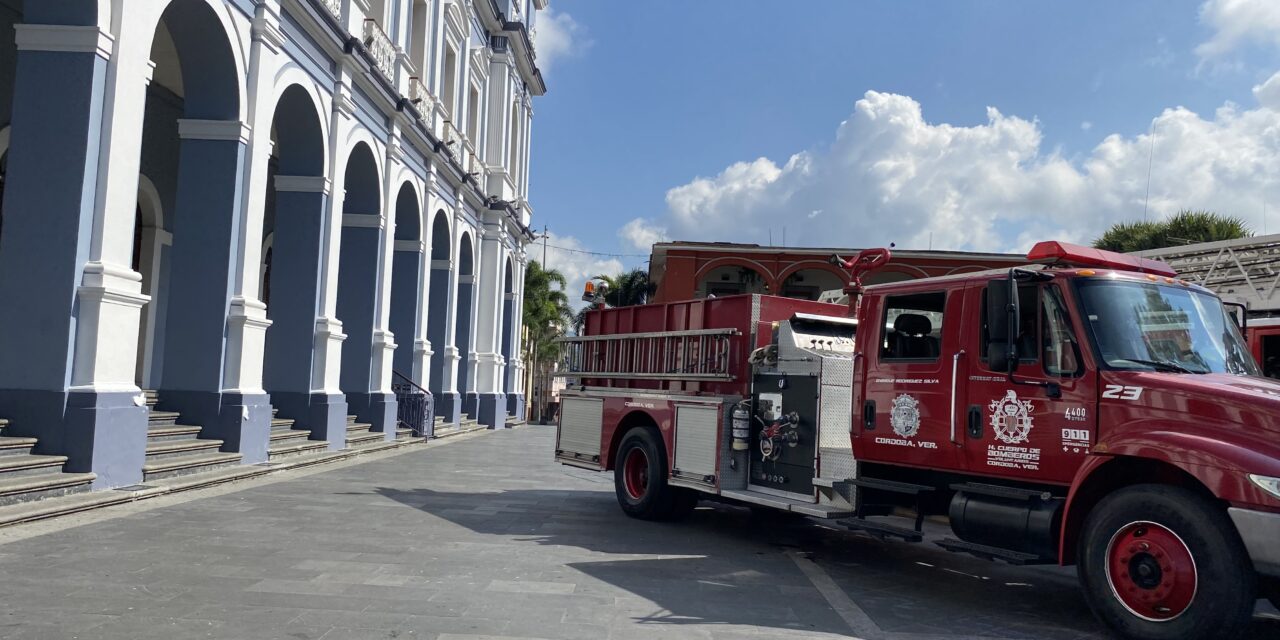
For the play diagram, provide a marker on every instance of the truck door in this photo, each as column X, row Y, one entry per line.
column 1018, row 429
column 905, row 408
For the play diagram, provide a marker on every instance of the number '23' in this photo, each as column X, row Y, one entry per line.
column 1121, row 392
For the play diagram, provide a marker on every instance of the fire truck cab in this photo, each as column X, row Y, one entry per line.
column 1089, row 409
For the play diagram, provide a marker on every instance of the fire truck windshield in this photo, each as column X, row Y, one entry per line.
column 1154, row 327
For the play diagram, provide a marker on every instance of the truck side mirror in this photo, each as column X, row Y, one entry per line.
column 1002, row 325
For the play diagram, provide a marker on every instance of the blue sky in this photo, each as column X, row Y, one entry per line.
column 649, row 97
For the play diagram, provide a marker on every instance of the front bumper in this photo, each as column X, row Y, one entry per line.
column 1260, row 532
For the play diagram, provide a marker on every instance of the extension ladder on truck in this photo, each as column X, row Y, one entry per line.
column 695, row 354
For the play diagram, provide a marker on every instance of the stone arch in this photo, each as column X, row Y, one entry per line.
column 359, row 283
column 406, row 278
column 150, row 256
column 294, row 222
column 465, row 322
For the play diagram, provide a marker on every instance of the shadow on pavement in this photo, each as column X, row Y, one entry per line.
column 725, row 565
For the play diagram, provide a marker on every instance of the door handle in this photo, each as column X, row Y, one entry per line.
column 869, row 415
column 975, row 422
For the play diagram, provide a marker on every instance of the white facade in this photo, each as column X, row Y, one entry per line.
column 258, row 204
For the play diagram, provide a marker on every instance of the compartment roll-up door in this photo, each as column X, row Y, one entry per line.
column 580, row 423
column 697, row 440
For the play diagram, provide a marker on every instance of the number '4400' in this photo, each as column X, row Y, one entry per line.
column 1121, row 392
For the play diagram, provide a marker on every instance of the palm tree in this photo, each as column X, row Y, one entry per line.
column 1184, row 227
column 546, row 317
column 627, row 289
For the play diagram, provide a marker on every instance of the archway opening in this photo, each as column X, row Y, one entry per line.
column 810, row 284
column 438, row 316
column 508, row 335
column 293, row 239
column 192, row 154
column 731, row 280
column 464, row 321
column 406, row 282
column 358, row 277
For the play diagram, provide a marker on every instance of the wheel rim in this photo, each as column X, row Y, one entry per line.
column 635, row 473
column 1151, row 571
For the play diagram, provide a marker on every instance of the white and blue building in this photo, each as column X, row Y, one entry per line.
column 260, row 210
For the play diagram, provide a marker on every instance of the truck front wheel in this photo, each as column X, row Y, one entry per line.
column 640, row 479
column 1160, row 562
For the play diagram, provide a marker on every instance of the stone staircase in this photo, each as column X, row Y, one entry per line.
column 176, row 450
column 466, row 425
column 25, row 477
column 287, row 441
column 359, row 435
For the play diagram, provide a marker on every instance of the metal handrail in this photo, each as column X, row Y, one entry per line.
column 408, row 381
column 411, row 405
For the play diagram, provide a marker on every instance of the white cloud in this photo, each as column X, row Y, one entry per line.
column 557, row 36
column 564, row 255
column 1086, row 125
column 641, row 235
column 891, row 176
column 1238, row 22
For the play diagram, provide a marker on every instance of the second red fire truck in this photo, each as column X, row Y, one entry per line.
column 1088, row 409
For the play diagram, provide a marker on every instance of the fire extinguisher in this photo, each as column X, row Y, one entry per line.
column 741, row 427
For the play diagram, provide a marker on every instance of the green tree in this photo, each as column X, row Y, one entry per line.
column 1184, row 227
column 546, row 313
column 627, row 289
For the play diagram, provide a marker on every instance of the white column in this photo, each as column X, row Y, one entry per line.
column 489, row 358
column 422, row 352
column 451, row 355
column 247, row 316
column 384, row 344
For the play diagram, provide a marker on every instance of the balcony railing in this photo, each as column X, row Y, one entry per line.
column 334, row 7
column 380, row 48
column 421, row 98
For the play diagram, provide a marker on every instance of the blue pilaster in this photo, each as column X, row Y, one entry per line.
column 206, row 229
column 446, row 404
column 406, row 299
column 357, row 300
column 48, row 221
column 462, row 332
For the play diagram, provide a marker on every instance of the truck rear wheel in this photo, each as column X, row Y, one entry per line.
column 1160, row 562
column 640, row 479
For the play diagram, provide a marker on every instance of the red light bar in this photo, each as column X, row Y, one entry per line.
column 1053, row 252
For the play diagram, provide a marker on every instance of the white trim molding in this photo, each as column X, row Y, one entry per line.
column 409, row 245
column 230, row 130
column 370, row 221
column 304, row 184
column 64, row 39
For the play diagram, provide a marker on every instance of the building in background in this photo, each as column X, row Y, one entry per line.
column 269, row 213
column 686, row 270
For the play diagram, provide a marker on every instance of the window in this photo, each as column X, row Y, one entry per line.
column 1027, row 333
column 1044, row 330
column 1061, row 352
column 449, row 90
column 913, row 326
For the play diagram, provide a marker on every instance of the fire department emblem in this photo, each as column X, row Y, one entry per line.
column 905, row 416
column 1011, row 418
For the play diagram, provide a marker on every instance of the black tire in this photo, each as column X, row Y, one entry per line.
column 646, row 495
column 1271, row 591
column 1211, row 596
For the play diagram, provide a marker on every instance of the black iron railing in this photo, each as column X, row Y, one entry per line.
column 413, row 406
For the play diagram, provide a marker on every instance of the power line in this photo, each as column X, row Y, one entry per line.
column 600, row 253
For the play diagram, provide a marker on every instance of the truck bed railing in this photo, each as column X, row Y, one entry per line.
column 698, row 354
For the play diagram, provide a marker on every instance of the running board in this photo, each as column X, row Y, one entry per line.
column 881, row 530
column 992, row 553
column 787, row 504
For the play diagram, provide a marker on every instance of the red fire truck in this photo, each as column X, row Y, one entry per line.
column 1089, row 408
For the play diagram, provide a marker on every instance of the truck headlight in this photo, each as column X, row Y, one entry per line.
column 1268, row 484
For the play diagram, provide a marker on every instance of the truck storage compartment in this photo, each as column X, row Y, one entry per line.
column 697, row 439
column 579, row 434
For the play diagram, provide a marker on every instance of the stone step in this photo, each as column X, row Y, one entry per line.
column 179, row 448
column 29, row 465
column 357, row 427
column 290, row 448
column 274, row 412
column 163, row 418
column 282, row 423
column 176, row 432
column 184, row 465
column 360, row 438
column 514, row 422
column 289, row 435
column 451, row 430
column 3, row 423
column 38, row 487
column 351, row 419
column 13, row 446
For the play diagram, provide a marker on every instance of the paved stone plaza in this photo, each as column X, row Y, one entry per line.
column 483, row 536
